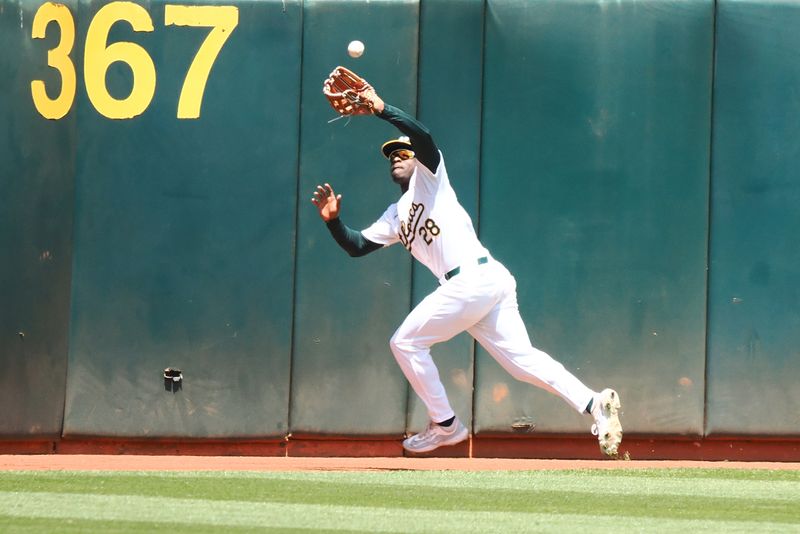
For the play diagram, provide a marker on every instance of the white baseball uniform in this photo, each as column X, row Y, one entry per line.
column 481, row 297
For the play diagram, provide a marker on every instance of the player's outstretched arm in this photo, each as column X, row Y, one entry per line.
column 425, row 148
column 328, row 204
column 349, row 94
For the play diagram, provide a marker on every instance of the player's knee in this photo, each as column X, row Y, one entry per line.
column 395, row 343
column 402, row 346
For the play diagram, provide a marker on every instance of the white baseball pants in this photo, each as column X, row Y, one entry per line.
column 481, row 299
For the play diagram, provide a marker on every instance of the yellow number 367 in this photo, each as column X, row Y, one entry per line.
column 99, row 55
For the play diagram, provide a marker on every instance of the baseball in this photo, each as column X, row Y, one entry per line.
column 355, row 48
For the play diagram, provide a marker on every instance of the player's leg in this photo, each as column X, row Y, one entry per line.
column 449, row 310
column 440, row 316
column 504, row 335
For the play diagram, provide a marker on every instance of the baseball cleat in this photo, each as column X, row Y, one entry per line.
column 607, row 427
column 435, row 436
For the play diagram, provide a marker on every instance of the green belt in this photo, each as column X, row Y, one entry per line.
column 450, row 274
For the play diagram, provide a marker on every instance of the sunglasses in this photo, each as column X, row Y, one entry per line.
column 402, row 153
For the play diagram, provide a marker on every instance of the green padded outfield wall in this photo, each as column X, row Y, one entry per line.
column 345, row 380
column 594, row 192
column 36, row 179
column 153, row 218
column 754, row 300
column 184, row 230
column 450, row 86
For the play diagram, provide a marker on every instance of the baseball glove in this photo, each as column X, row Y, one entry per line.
column 349, row 93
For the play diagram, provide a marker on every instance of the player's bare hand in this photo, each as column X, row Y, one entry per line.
column 372, row 96
column 327, row 202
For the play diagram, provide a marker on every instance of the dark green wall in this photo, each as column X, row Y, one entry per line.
column 344, row 378
column 594, row 192
column 183, row 240
column 754, row 300
column 632, row 163
column 37, row 169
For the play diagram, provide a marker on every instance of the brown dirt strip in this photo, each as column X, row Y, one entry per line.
column 73, row 462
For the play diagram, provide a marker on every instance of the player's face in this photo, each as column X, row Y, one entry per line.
column 402, row 167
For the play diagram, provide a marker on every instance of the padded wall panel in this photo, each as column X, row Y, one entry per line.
column 594, row 191
column 36, row 178
column 345, row 380
column 450, row 106
column 754, row 301
column 184, row 232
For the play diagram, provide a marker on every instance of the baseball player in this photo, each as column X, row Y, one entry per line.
column 476, row 292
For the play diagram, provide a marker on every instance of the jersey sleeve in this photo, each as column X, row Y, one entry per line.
column 385, row 230
column 354, row 243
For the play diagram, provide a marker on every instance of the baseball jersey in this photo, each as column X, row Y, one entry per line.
column 430, row 223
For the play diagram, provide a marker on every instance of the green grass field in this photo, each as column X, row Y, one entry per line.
column 662, row 500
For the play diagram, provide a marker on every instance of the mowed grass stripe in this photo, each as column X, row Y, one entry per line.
column 159, row 510
column 25, row 525
column 541, row 492
column 481, row 492
column 579, row 482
